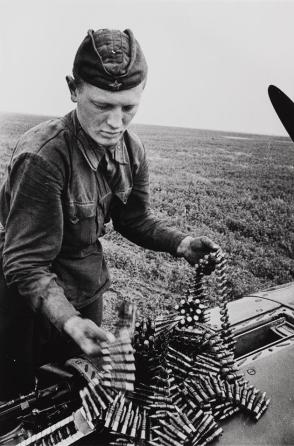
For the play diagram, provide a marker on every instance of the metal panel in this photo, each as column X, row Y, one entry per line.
column 243, row 309
column 273, row 374
column 283, row 294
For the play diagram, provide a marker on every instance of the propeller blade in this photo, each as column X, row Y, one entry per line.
column 284, row 108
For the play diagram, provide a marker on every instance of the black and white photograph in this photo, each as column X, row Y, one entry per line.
column 146, row 222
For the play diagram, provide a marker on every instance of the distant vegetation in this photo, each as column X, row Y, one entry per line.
column 237, row 189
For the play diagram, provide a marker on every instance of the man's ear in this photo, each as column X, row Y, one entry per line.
column 72, row 88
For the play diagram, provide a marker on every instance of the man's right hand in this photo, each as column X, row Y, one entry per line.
column 87, row 334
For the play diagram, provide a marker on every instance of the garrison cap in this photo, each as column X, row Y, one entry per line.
column 110, row 59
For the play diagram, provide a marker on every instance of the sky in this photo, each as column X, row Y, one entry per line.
column 210, row 62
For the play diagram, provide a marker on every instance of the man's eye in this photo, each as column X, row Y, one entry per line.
column 128, row 108
column 102, row 107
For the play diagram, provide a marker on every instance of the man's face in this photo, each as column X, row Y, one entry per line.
column 105, row 115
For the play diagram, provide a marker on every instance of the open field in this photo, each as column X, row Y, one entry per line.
column 237, row 189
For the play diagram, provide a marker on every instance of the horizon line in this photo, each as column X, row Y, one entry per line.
column 162, row 125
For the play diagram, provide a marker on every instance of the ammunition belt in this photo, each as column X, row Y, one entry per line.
column 186, row 381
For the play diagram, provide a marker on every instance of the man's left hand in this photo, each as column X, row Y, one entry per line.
column 195, row 249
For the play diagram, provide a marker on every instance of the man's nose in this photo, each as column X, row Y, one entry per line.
column 114, row 119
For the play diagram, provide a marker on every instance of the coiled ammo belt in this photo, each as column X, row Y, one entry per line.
column 186, row 380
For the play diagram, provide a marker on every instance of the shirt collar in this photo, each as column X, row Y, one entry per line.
column 93, row 153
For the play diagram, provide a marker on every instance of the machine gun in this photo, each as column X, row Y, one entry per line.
column 48, row 415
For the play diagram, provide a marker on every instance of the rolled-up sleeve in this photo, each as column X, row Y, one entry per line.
column 135, row 220
column 33, row 236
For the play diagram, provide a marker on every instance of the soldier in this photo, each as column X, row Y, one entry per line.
column 66, row 179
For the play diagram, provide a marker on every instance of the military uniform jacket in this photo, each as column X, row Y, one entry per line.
column 60, row 190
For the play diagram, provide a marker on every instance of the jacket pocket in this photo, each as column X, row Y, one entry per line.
column 80, row 228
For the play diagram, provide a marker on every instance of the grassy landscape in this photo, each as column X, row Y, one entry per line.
column 237, row 189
